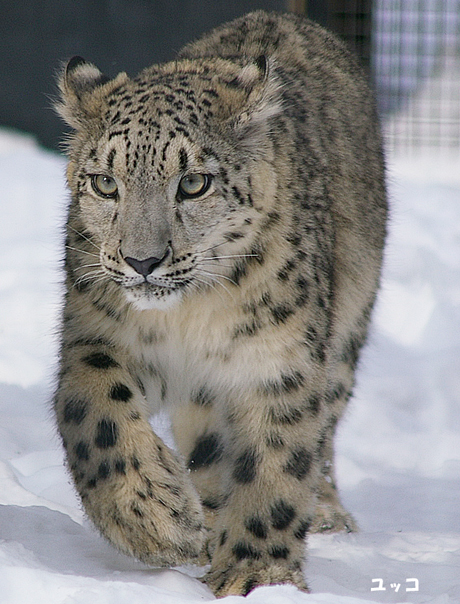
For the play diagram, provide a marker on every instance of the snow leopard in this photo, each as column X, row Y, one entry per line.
column 224, row 245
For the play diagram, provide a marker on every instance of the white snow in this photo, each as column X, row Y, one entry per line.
column 398, row 447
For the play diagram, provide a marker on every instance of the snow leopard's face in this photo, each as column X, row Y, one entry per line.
column 170, row 174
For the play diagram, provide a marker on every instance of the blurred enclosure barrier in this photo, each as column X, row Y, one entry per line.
column 412, row 50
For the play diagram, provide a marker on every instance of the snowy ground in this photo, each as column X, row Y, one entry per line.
column 399, row 447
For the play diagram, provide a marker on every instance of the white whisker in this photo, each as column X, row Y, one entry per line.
column 86, row 238
column 100, row 280
column 94, row 276
column 230, row 256
column 209, row 263
column 79, row 268
column 216, row 279
column 211, row 284
column 82, row 251
column 89, row 276
column 213, row 247
column 224, row 277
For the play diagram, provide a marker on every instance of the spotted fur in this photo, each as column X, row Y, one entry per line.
column 223, row 251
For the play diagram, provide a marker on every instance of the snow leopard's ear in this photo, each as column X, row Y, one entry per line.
column 83, row 88
column 263, row 100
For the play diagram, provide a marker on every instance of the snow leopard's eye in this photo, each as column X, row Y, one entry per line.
column 104, row 185
column 194, row 185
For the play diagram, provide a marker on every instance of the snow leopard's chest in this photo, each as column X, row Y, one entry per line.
column 184, row 349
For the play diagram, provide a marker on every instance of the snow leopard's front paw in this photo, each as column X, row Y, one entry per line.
column 240, row 578
column 244, row 559
column 333, row 519
column 209, row 541
column 330, row 515
column 143, row 501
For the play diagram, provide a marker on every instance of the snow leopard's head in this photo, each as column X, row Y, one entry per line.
column 171, row 173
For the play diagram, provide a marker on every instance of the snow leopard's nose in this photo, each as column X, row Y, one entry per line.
column 145, row 267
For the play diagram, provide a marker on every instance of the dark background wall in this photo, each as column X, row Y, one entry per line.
column 36, row 36
column 116, row 35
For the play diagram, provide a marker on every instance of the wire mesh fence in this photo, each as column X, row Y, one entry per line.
column 416, row 68
column 412, row 50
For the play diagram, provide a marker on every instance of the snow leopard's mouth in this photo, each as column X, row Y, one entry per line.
column 146, row 295
column 167, row 284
